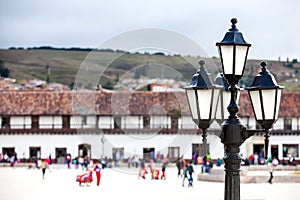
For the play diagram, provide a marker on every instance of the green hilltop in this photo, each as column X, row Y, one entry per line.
column 109, row 65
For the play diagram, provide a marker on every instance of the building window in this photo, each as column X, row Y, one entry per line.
column 173, row 153
column 118, row 155
column 5, row 124
column 9, row 151
column 84, row 150
column 60, row 154
column 148, row 154
column 290, row 150
column 34, row 153
column 287, row 124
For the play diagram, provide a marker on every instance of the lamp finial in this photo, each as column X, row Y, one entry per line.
column 233, row 26
column 201, row 63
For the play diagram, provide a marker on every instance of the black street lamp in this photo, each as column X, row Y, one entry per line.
column 265, row 97
column 233, row 51
column 202, row 97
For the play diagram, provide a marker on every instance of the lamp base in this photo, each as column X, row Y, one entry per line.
column 233, row 132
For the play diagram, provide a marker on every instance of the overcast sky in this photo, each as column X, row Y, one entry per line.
column 271, row 26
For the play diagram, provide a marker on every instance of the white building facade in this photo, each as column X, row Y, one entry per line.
column 152, row 124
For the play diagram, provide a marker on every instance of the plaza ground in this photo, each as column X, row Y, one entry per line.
column 21, row 183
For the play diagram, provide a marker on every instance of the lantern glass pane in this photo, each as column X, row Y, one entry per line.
column 278, row 103
column 255, row 99
column 227, row 57
column 268, row 98
column 241, row 53
column 224, row 101
column 219, row 107
column 191, row 95
column 238, row 96
column 216, row 92
column 204, row 100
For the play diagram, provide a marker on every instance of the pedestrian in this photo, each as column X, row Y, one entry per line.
column 69, row 160
column 179, row 166
column 129, row 162
column 191, row 171
column 255, row 158
column 163, row 170
column 44, row 166
column 48, row 163
column 185, row 176
column 271, row 173
column 87, row 161
column 142, row 171
column 97, row 169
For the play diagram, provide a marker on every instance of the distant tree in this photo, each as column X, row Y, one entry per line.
column 159, row 54
column 4, row 72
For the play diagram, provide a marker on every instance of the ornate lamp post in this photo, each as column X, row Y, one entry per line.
column 265, row 97
column 233, row 51
column 202, row 97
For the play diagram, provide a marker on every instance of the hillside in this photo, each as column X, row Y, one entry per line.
column 64, row 64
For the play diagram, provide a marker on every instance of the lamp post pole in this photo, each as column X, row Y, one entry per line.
column 103, row 141
column 232, row 136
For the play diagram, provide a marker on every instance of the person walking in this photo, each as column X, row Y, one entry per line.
column 163, row 170
column 271, row 169
column 44, row 166
column 185, row 176
column 97, row 169
column 191, row 171
column 179, row 166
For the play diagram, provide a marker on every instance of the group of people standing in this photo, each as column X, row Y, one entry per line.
column 9, row 159
column 187, row 172
column 154, row 172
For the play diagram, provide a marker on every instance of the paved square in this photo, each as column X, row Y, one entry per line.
column 123, row 183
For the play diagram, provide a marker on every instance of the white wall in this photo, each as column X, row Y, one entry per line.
column 106, row 122
column 131, row 122
column 186, row 122
column 160, row 122
column 295, row 123
column 133, row 144
column 75, row 122
column 90, row 122
column 47, row 142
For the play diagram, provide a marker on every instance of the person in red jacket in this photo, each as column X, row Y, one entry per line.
column 97, row 169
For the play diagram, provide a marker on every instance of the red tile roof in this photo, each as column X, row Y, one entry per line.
column 118, row 103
